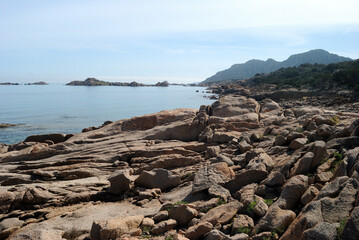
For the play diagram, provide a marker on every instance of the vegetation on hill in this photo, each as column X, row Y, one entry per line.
column 253, row 67
column 318, row 76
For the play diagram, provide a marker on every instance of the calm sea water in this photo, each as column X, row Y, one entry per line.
column 57, row 108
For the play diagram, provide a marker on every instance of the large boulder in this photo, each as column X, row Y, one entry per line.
column 115, row 228
column 164, row 226
column 244, row 178
column 217, row 173
column 275, row 218
column 40, row 234
column 6, row 198
column 223, row 213
column 198, row 230
column 292, row 191
column 35, row 195
column 158, row 178
column 120, row 182
column 182, row 214
column 351, row 229
column 230, row 106
column 321, row 231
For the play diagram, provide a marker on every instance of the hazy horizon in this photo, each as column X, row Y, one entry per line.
column 178, row 41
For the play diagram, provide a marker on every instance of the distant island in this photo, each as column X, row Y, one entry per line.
column 96, row 82
column 9, row 83
column 37, row 83
column 252, row 67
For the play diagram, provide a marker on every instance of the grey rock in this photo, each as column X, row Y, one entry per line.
column 321, row 231
column 158, row 178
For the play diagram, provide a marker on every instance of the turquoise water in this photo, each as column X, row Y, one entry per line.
column 68, row 109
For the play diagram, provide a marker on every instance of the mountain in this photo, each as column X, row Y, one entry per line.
column 252, row 67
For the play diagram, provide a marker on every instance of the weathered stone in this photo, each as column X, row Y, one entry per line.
column 158, row 178
column 55, row 137
column 280, row 140
column 199, row 230
column 260, row 208
column 321, row 231
column 147, row 223
column 244, row 178
column 262, row 162
column 275, row 218
column 244, row 147
column 218, row 173
column 351, row 229
column 160, row 216
column 297, row 143
column 240, row 236
column 275, row 178
column 324, row 131
column 223, row 158
column 213, row 151
column 218, row 191
column 323, row 177
column 309, row 194
column 223, row 213
column 114, row 228
column 292, row 191
column 36, row 195
column 120, row 182
column 242, row 222
column 40, row 234
column 164, row 226
column 182, row 214
column 246, row 194
column 306, row 111
column 6, row 198
column 303, row 165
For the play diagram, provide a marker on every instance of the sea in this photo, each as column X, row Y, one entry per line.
column 57, row 108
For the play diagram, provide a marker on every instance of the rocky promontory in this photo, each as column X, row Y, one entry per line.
column 239, row 169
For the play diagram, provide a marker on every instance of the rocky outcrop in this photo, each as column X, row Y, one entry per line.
column 239, row 169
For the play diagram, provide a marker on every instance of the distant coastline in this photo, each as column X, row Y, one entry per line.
column 34, row 83
column 96, row 82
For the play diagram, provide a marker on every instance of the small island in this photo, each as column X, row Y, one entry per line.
column 6, row 125
column 9, row 83
column 37, row 83
column 96, row 82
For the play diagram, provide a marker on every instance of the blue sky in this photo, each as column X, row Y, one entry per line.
column 175, row 40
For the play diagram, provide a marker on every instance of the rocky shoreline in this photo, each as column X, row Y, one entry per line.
column 242, row 168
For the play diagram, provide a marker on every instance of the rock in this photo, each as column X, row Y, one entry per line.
column 275, row 218
column 6, row 198
column 164, row 226
column 242, row 223
column 230, row 106
column 223, row 213
column 306, row 111
column 8, row 226
column 39, row 234
column 206, row 135
column 36, row 195
column 214, row 234
column 120, row 182
column 320, row 153
column 182, row 214
column 149, row 193
column 55, row 137
column 321, row 231
column 160, row 216
column 323, row 177
column 280, row 140
column 147, row 223
column 297, row 143
column 344, row 142
column 244, row 147
column 265, row 235
column 324, row 131
column 261, row 207
column 262, row 162
column 351, row 229
column 244, row 178
column 292, row 191
column 115, row 228
column 246, row 194
column 213, row 151
column 275, row 178
column 309, row 195
column 199, row 230
column 303, row 165
column 217, row 173
column 240, row 236
column 158, row 178
column 216, row 191
column 223, row 158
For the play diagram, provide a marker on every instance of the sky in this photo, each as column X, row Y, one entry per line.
column 181, row 41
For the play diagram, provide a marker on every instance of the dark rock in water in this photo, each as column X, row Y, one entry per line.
column 55, row 137
column 6, row 125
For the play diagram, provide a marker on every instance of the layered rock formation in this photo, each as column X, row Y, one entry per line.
column 239, row 169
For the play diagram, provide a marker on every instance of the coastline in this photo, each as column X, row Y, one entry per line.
column 198, row 162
